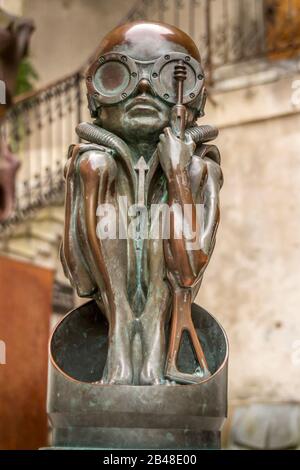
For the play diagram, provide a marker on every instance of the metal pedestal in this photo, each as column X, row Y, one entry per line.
column 87, row 414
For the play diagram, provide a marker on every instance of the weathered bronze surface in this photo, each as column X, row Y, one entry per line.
column 145, row 91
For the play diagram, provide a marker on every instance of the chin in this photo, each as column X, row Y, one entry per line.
column 146, row 125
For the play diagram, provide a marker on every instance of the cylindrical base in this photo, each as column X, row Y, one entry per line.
column 88, row 414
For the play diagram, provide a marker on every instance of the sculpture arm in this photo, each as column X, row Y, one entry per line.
column 190, row 180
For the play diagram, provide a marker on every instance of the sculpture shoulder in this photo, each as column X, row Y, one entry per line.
column 208, row 151
column 78, row 149
column 205, row 168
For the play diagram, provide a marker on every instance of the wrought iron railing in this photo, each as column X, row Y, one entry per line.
column 40, row 126
column 38, row 129
column 231, row 31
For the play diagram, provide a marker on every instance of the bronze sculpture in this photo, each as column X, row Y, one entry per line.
column 140, row 366
column 145, row 91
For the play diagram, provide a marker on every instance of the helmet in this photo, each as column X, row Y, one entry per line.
column 145, row 50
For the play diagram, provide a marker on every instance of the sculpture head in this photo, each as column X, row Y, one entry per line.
column 131, row 85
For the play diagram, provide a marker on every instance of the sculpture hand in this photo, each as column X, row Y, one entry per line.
column 174, row 154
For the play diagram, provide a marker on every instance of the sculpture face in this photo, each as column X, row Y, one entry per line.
column 134, row 79
column 143, row 113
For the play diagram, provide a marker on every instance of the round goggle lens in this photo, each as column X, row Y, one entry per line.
column 167, row 78
column 111, row 78
column 114, row 77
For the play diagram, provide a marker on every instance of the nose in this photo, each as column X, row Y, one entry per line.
column 144, row 86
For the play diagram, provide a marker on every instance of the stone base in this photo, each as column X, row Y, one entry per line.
column 135, row 438
column 88, row 414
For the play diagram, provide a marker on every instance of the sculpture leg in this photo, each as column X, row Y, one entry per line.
column 95, row 179
column 154, row 318
column 181, row 322
column 205, row 182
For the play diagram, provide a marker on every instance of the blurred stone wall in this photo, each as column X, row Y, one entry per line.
column 67, row 31
column 252, row 282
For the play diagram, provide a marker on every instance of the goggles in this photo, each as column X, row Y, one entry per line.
column 115, row 76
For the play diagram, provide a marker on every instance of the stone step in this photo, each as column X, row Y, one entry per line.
column 36, row 240
column 21, row 248
column 46, row 230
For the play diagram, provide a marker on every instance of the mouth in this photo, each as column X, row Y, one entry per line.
column 143, row 104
